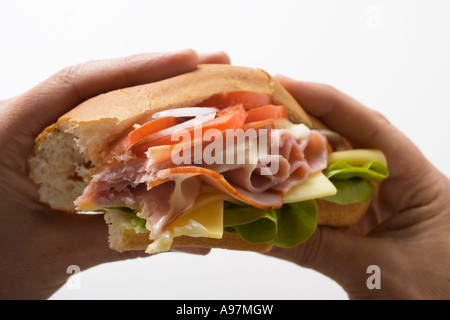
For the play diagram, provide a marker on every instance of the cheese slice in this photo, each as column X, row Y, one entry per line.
column 357, row 157
column 204, row 219
column 317, row 186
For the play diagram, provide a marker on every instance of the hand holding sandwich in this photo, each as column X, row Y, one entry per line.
column 40, row 243
column 37, row 244
column 406, row 230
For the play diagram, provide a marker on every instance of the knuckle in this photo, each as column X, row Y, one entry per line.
column 71, row 77
column 330, row 95
column 330, row 88
column 381, row 117
column 67, row 75
column 332, row 91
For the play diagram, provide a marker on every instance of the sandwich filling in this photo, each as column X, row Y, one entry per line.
column 233, row 163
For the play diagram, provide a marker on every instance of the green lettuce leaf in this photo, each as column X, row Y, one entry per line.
column 341, row 170
column 286, row 227
column 354, row 190
column 352, row 182
column 138, row 224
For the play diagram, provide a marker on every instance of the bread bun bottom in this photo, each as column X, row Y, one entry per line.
column 122, row 236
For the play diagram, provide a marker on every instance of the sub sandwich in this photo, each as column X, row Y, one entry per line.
column 221, row 157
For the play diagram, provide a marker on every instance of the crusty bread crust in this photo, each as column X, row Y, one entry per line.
column 184, row 90
column 89, row 129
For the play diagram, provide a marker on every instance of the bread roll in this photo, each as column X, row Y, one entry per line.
column 81, row 139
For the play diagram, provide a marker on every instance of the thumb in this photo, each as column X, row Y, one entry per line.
column 343, row 257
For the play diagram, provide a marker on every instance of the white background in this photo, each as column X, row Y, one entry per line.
column 392, row 55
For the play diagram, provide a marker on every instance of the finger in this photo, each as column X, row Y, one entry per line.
column 84, row 238
column 213, row 58
column 63, row 91
column 339, row 256
column 340, row 112
column 362, row 126
column 192, row 250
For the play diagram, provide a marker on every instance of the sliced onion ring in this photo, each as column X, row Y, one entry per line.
column 198, row 121
column 185, row 112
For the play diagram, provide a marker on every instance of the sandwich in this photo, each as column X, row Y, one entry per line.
column 221, row 157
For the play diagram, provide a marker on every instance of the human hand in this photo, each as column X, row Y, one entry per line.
column 38, row 244
column 406, row 231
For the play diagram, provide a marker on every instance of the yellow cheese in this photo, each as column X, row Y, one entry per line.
column 317, row 186
column 205, row 219
column 357, row 157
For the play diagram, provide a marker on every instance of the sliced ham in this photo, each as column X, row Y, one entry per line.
column 316, row 152
column 293, row 163
column 264, row 200
column 163, row 204
column 164, row 190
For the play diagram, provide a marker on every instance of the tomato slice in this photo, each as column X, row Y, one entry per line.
column 263, row 124
column 229, row 118
column 151, row 127
column 266, row 112
column 248, row 99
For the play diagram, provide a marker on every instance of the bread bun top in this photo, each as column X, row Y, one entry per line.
column 181, row 91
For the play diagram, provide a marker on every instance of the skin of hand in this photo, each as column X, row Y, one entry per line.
column 406, row 231
column 38, row 244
